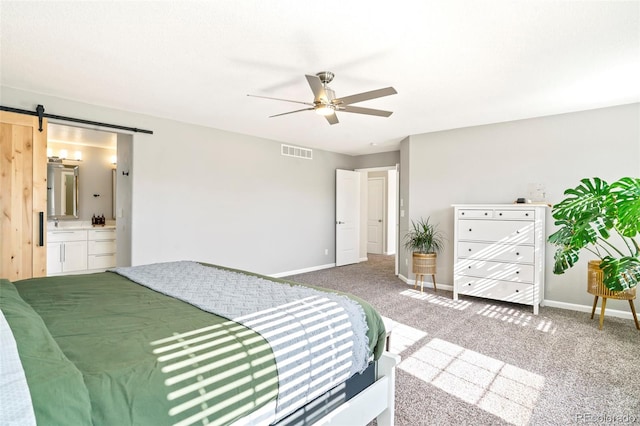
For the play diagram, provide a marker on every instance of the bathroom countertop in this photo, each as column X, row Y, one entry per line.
column 77, row 225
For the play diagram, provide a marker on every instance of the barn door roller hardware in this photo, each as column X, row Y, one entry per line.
column 39, row 112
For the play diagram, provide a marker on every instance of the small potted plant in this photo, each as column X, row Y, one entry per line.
column 604, row 220
column 425, row 240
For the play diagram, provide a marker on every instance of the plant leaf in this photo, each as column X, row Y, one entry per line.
column 620, row 274
column 624, row 195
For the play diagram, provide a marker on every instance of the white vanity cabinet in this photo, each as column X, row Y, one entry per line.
column 101, row 248
column 499, row 252
column 80, row 250
column 66, row 251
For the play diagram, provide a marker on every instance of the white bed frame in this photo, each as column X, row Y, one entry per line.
column 375, row 402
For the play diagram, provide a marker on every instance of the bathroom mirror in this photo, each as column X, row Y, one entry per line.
column 62, row 191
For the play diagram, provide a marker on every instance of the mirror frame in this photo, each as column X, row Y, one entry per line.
column 51, row 190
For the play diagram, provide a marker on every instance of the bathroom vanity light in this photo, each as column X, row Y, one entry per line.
column 63, row 154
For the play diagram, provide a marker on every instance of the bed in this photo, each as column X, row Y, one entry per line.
column 185, row 343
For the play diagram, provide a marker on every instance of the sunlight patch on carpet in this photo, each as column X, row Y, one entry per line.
column 518, row 317
column 501, row 389
column 446, row 302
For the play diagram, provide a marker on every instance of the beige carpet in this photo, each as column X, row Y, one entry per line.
column 481, row 362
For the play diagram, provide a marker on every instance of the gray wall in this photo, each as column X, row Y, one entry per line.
column 383, row 159
column 124, row 199
column 496, row 163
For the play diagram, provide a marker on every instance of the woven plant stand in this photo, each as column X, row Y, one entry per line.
column 598, row 289
column 424, row 264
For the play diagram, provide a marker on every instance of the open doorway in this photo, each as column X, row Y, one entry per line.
column 379, row 213
column 104, row 185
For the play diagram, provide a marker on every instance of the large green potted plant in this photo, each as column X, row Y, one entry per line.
column 425, row 240
column 604, row 220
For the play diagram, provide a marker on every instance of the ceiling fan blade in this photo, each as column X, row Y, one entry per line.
column 332, row 118
column 291, row 112
column 279, row 99
column 365, row 96
column 317, row 88
column 368, row 111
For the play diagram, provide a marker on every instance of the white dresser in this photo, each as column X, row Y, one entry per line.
column 499, row 252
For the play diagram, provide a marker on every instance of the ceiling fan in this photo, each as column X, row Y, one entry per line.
column 325, row 102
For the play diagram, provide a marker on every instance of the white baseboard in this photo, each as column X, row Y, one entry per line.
column 363, row 259
column 427, row 283
column 582, row 308
column 302, row 271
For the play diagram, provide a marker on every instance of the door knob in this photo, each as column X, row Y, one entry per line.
column 380, row 220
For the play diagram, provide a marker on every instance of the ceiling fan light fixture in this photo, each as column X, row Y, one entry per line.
column 325, row 110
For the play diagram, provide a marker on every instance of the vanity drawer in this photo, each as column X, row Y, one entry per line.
column 496, row 289
column 101, row 261
column 66, row 235
column 495, row 270
column 101, row 246
column 496, row 252
column 504, row 231
column 102, row 234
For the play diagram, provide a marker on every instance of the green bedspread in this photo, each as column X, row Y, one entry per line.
column 103, row 347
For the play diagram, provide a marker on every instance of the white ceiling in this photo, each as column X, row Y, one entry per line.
column 453, row 63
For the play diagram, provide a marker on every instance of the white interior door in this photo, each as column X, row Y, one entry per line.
column 347, row 217
column 375, row 216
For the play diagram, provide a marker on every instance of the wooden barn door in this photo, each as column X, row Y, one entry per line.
column 23, row 196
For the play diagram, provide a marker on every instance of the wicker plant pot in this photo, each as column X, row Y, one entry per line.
column 596, row 287
column 424, row 264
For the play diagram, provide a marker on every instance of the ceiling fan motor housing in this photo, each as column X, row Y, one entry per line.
column 325, row 77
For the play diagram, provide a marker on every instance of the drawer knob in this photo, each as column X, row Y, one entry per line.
column 469, row 266
column 469, row 249
column 517, row 272
column 518, row 231
column 517, row 291
column 468, row 284
column 462, row 213
column 517, row 253
column 469, row 229
column 485, row 213
column 500, row 214
column 526, row 214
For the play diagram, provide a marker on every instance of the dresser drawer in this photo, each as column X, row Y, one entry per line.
column 101, row 247
column 496, row 289
column 66, row 235
column 475, row 214
column 503, row 231
column 102, row 234
column 101, row 261
column 495, row 270
column 496, row 252
column 515, row 214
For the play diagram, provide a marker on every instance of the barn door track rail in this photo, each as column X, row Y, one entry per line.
column 39, row 112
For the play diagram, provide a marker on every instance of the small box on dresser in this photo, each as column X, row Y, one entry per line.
column 499, row 252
